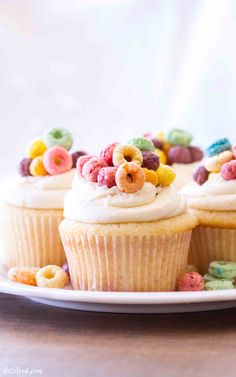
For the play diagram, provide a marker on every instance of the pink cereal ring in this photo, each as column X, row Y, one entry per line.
column 228, row 170
column 81, row 162
column 91, row 169
column 57, row 160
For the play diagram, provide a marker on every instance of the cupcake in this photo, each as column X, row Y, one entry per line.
column 32, row 202
column 176, row 150
column 212, row 198
column 126, row 227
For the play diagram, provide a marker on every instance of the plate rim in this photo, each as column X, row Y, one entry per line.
column 119, row 298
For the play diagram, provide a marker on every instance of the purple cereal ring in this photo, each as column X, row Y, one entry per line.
column 196, row 153
column 200, row 175
column 24, row 167
column 179, row 155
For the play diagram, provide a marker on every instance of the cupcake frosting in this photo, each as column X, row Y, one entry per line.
column 37, row 192
column 215, row 194
column 87, row 202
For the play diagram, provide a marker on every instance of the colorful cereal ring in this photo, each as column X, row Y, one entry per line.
column 57, row 160
column 142, row 144
column 226, row 270
column 218, row 146
column 218, row 285
column 130, row 177
column 179, row 137
column 58, row 137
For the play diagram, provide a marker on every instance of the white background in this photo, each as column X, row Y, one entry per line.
column 110, row 69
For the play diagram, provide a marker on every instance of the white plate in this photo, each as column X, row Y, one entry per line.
column 119, row 302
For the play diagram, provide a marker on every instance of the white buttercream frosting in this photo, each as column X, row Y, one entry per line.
column 37, row 192
column 87, row 202
column 216, row 194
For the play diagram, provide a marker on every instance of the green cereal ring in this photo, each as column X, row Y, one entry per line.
column 208, row 278
column 218, row 285
column 221, row 269
column 143, row 144
column 179, row 137
column 58, row 137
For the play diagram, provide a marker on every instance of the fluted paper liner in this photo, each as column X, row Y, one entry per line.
column 30, row 237
column 210, row 244
column 126, row 263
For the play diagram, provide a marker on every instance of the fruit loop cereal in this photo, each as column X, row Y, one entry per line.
column 175, row 147
column 49, row 155
column 220, row 159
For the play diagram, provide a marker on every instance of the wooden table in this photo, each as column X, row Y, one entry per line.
column 69, row 343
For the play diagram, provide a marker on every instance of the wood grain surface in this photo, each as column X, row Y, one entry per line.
column 60, row 342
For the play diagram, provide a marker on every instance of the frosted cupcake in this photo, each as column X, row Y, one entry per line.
column 32, row 202
column 176, row 150
column 126, row 227
column 212, row 198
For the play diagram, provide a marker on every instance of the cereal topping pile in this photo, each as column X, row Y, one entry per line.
column 221, row 158
column 126, row 166
column 175, row 147
column 50, row 155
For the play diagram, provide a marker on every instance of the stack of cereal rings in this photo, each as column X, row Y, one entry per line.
column 126, row 166
column 220, row 159
column 221, row 275
column 49, row 155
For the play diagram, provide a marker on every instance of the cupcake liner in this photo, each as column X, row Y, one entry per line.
column 125, row 263
column 209, row 244
column 30, row 237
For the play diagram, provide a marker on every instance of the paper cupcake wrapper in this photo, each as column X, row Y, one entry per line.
column 210, row 244
column 126, row 263
column 30, row 237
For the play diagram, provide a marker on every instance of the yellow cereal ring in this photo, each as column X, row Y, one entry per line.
column 52, row 277
column 37, row 167
column 151, row 176
column 160, row 135
column 214, row 163
column 23, row 275
column 166, row 175
column 36, row 148
column 127, row 153
column 162, row 155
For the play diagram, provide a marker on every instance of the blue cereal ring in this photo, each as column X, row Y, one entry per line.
column 218, row 146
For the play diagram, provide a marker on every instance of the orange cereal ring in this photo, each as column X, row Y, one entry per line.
column 127, row 153
column 130, row 177
column 151, row 176
column 23, row 275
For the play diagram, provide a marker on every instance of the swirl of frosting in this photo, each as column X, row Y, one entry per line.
column 89, row 203
column 216, row 194
column 37, row 192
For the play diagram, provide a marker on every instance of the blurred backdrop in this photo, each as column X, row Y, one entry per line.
column 111, row 69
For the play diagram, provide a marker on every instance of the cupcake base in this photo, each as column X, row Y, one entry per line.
column 30, row 237
column 214, row 239
column 142, row 257
column 210, row 244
